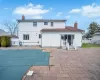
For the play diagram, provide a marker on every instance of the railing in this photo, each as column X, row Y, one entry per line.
column 74, row 45
column 65, row 45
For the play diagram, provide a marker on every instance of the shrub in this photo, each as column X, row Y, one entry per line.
column 8, row 41
column 0, row 41
column 5, row 41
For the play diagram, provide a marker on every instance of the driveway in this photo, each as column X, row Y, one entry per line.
column 82, row 64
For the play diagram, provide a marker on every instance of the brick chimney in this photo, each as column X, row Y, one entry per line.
column 23, row 17
column 76, row 25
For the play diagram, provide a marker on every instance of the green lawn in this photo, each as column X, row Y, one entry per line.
column 87, row 45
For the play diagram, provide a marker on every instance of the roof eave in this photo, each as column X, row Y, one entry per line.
column 41, row 20
column 60, row 31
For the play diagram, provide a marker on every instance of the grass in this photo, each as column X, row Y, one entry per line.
column 88, row 45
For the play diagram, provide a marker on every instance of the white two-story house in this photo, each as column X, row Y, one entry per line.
column 47, row 32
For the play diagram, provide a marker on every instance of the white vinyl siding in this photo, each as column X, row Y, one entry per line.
column 53, row 39
column 34, row 31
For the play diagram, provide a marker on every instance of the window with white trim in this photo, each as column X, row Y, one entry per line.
column 34, row 23
column 40, row 36
column 25, row 36
column 45, row 23
column 51, row 23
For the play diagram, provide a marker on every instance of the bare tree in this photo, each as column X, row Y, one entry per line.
column 11, row 26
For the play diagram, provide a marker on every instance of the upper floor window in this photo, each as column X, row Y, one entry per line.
column 25, row 36
column 45, row 23
column 34, row 23
column 51, row 23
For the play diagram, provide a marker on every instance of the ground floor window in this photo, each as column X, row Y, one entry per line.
column 25, row 36
column 40, row 36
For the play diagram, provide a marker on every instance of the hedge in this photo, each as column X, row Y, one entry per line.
column 8, row 41
column 5, row 41
column 0, row 41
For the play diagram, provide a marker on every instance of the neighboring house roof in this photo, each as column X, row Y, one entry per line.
column 97, row 33
column 41, row 20
column 66, row 29
column 3, row 33
column 14, row 36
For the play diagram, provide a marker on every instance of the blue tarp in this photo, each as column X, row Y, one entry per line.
column 14, row 63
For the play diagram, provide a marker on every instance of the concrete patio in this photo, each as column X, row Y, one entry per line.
column 82, row 64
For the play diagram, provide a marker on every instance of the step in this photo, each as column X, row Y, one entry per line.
column 71, row 49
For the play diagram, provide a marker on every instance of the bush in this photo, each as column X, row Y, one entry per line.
column 0, row 41
column 5, row 41
column 8, row 42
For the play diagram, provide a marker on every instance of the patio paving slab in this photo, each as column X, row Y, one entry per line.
column 81, row 64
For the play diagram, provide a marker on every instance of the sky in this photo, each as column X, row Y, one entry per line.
column 82, row 11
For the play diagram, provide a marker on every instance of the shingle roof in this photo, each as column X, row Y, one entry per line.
column 97, row 33
column 14, row 36
column 3, row 33
column 66, row 29
column 42, row 20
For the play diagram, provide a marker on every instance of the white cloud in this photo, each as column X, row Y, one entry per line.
column 6, row 8
column 67, row 17
column 59, row 13
column 75, row 11
column 88, row 10
column 37, row 17
column 31, row 10
column 51, row 8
